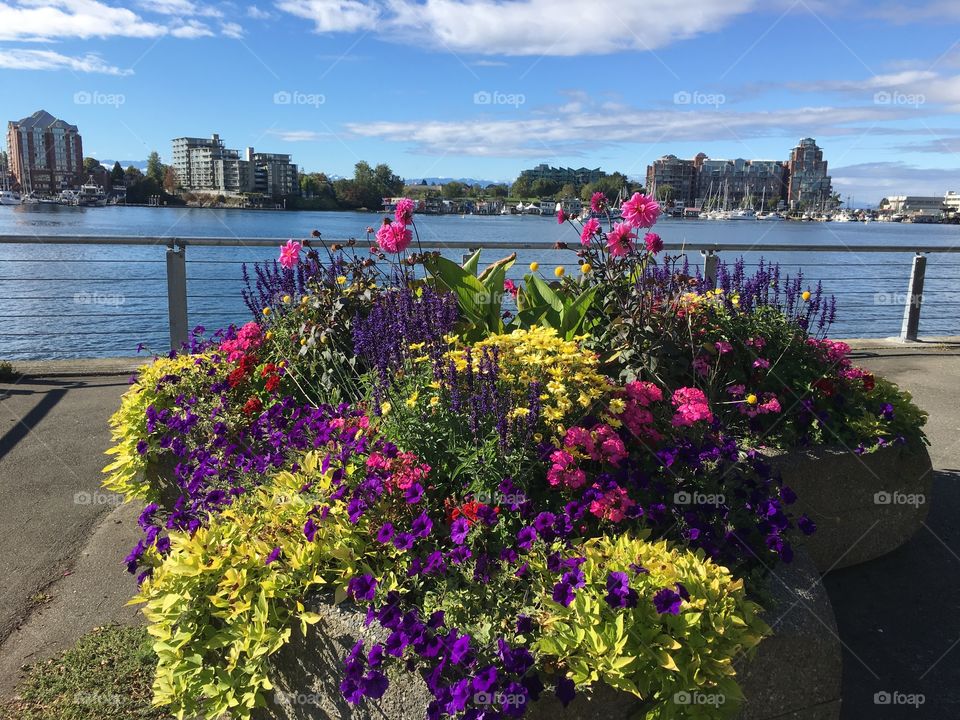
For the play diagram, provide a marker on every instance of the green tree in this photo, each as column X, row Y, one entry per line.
column 521, row 187
column 569, row 190
column 542, row 187
column 91, row 165
column 156, row 170
column 117, row 174
column 453, row 190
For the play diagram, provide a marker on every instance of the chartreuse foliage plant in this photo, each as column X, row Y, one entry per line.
column 148, row 394
column 226, row 598
column 660, row 653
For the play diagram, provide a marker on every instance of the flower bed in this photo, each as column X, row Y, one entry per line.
column 531, row 492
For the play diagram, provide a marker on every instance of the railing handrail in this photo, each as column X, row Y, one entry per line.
column 178, row 241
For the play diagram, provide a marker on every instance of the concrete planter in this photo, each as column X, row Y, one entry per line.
column 864, row 505
column 794, row 674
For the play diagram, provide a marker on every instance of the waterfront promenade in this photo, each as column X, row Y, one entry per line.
column 62, row 540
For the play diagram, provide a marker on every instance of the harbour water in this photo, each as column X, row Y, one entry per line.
column 94, row 301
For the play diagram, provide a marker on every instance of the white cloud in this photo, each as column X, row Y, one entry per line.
column 525, row 27
column 923, row 86
column 42, row 19
column 16, row 59
column 489, row 63
column 232, row 30
column 869, row 182
column 179, row 8
column 191, row 29
column 299, row 135
column 564, row 133
column 334, row 15
column 257, row 14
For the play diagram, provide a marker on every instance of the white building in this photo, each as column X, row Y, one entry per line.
column 207, row 165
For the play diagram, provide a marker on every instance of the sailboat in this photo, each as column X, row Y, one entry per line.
column 8, row 196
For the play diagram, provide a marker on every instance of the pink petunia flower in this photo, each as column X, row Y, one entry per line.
column 653, row 242
column 290, row 254
column 640, row 211
column 723, row 347
column 394, row 237
column 620, row 240
column 590, row 228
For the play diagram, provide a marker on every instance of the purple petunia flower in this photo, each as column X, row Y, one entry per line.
column 422, row 525
column 459, row 529
column 667, row 601
column 619, row 593
column 563, row 593
column 525, row 537
column 385, row 533
column 274, row 554
column 309, row 529
column 806, row 525
column 362, row 587
column 566, row 691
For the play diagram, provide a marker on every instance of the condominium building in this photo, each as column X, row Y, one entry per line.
column 810, row 186
column 563, row 175
column 703, row 180
column 203, row 164
column 45, row 153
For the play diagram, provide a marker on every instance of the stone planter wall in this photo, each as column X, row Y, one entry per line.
column 794, row 674
column 864, row 505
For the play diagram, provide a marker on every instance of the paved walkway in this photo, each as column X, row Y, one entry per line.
column 899, row 616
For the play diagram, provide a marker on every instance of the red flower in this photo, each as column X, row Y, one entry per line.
column 252, row 405
column 869, row 382
column 273, row 382
column 826, row 386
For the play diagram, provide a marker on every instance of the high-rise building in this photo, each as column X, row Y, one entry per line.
column 810, row 185
column 680, row 176
column 46, row 153
column 203, row 164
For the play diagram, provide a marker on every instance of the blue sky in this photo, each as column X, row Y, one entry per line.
column 484, row 89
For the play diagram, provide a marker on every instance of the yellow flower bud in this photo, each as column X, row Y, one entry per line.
column 534, row 266
column 806, row 295
column 342, row 280
column 266, row 311
column 559, row 271
column 586, row 268
column 751, row 399
column 303, row 341
column 286, row 299
column 269, row 335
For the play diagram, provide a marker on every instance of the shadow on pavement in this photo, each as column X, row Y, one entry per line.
column 899, row 618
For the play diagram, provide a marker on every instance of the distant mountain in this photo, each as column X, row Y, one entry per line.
column 139, row 164
column 444, row 180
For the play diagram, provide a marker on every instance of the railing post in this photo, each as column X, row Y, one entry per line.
column 710, row 261
column 911, row 311
column 177, row 294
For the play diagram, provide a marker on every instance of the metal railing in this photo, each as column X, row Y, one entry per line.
column 177, row 281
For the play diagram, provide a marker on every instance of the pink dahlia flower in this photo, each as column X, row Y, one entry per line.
column 620, row 239
column 290, row 254
column 590, row 228
column 394, row 237
column 653, row 242
column 598, row 202
column 404, row 211
column 640, row 211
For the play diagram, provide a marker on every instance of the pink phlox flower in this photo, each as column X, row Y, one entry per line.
column 691, row 405
column 612, row 505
